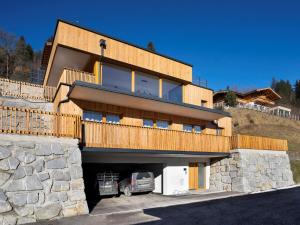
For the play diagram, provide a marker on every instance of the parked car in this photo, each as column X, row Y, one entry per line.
column 137, row 182
column 107, row 183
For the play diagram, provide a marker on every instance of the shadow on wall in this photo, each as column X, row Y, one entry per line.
column 247, row 210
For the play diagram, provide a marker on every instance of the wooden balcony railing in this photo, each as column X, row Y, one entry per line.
column 70, row 75
column 132, row 137
column 35, row 122
column 256, row 142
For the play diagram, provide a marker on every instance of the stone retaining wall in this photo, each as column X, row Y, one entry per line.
column 40, row 178
column 22, row 103
column 251, row 171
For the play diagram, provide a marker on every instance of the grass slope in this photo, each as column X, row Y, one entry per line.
column 251, row 122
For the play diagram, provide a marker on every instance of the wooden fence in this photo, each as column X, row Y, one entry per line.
column 36, row 122
column 106, row 135
column 133, row 137
column 256, row 142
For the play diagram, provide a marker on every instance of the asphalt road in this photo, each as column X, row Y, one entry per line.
column 270, row 208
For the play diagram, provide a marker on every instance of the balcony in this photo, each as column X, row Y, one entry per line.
column 105, row 135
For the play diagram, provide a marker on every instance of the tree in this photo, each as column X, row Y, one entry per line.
column 151, row 47
column 285, row 90
column 230, row 98
column 297, row 92
column 7, row 47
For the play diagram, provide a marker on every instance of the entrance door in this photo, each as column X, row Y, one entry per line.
column 201, row 175
column 193, row 176
column 196, row 176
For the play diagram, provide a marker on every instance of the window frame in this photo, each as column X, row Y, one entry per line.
column 89, row 112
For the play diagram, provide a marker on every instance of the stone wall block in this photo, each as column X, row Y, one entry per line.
column 43, row 176
column 57, row 163
column 76, row 172
column 57, row 149
column 48, row 211
column 4, row 153
column 60, row 175
column 59, row 186
column 4, row 177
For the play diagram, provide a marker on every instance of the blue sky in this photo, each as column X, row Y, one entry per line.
column 237, row 43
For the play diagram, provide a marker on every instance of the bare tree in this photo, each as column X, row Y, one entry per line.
column 7, row 46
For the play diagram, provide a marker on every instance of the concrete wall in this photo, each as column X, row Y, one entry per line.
column 40, row 178
column 251, row 171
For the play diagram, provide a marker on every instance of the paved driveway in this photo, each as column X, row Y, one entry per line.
column 277, row 207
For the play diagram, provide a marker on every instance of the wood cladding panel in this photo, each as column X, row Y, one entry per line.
column 131, row 137
column 135, row 117
column 258, row 143
column 226, row 124
column 88, row 41
column 194, row 95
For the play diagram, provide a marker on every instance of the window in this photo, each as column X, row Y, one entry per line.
column 112, row 118
column 219, row 131
column 197, row 129
column 148, row 123
column 162, row 124
column 92, row 116
column 172, row 91
column 187, row 128
column 203, row 103
column 116, row 77
column 146, row 84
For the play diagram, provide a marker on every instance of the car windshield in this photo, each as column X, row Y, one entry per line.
column 143, row 175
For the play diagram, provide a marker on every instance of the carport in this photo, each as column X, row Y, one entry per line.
column 171, row 169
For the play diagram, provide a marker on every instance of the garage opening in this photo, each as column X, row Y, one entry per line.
column 90, row 171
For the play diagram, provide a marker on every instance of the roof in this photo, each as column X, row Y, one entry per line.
column 271, row 93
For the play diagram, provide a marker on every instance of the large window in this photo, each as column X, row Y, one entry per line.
column 116, row 77
column 92, row 116
column 112, row 118
column 187, row 128
column 162, row 124
column 148, row 123
column 146, row 84
column 172, row 91
column 197, row 129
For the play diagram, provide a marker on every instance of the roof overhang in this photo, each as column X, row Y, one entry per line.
column 97, row 93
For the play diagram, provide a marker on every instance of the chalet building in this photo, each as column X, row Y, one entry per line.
column 108, row 105
column 263, row 99
column 140, row 108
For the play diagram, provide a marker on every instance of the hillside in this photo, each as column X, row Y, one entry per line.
column 251, row 122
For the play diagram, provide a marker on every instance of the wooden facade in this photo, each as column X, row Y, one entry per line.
column 82, row 39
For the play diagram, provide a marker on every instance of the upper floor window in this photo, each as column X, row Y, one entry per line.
column 172, row 90
column 92, row 116
column 148, row 123
column 187, row 127
column 116, row 77
column 162, row 124
column 197, row 129
column 203, row 103
column 112, row 118
column 219, row 131
column 146, row 84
